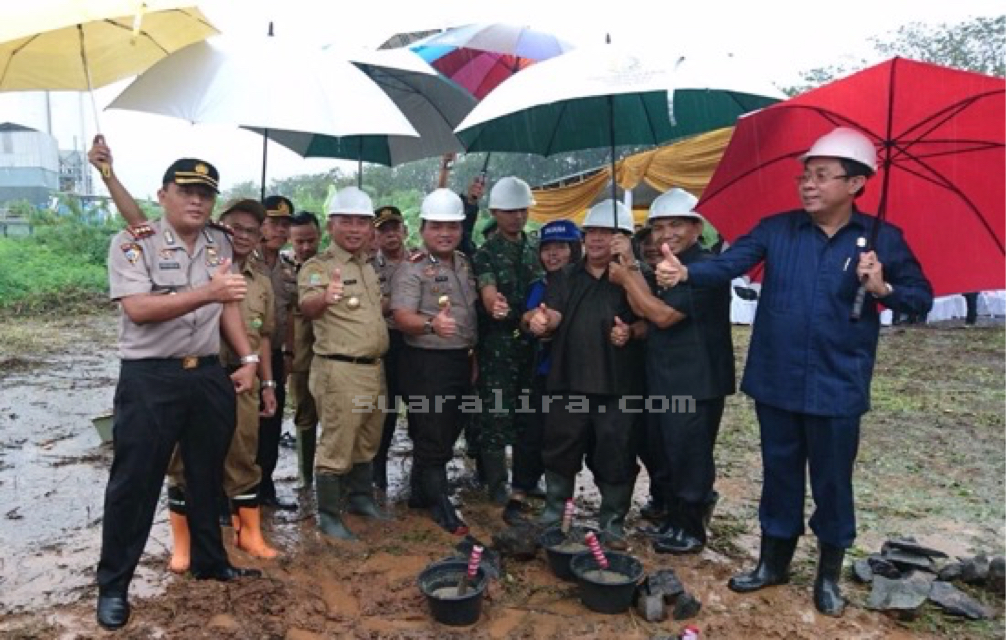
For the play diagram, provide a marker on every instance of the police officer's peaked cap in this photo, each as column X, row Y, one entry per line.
column 388, row 213
column 186, row 171
column 245, row 205
column 278, row 207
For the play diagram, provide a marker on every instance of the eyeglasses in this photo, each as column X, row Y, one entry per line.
column 251, row 232
column 817, row 178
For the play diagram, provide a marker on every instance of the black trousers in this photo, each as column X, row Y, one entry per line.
column 270, row 429
column 600, row 428
column 527, row 463
column 435, row 385
column 392, row 372
column 689, row 438
column 158, row 404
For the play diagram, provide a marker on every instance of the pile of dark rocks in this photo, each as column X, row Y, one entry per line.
column 905, row 574
column 663, row 591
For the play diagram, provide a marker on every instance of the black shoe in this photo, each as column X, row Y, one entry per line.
column 226, row 573
column 666, row 528
column 113, row 611
column 773, row 566
column 287, row 441
column 513, row 514
column 274, row 502
column 679, row 542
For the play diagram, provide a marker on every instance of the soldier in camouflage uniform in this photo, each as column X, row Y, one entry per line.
column 505, row 266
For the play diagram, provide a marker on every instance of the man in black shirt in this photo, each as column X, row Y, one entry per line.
column 596, row 381
column 689, row 371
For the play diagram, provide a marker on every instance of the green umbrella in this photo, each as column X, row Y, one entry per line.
column 609, row 96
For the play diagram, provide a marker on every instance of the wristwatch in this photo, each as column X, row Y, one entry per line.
column 268, row 384
column 428, row 326
column 251, row 358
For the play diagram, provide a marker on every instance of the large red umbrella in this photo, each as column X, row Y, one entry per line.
column 940, row 139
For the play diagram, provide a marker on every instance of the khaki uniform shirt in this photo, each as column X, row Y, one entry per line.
column 284, row 288
column 385, row 270
column 418, row 285
column 258, row 312
column 354, row 326
column 156, row 261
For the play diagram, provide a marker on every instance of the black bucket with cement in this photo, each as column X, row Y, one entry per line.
column 609, row 590
column 560, row 548
column 439, row 582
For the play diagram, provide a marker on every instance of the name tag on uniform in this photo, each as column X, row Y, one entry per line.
column 441, row 279
column 168, row 265
column 348, row 282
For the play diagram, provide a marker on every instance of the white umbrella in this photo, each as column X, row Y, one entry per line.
column 433, row 104
column 267, row 83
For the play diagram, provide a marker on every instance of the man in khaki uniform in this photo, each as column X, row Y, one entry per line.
column 241, row 473
column 433, row 300
column 275, row 234
column 305, row 236
column 341, row 296
column 173, row 280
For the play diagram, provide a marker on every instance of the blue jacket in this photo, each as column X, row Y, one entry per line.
column 806, row 355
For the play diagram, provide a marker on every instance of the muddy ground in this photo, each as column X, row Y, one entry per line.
column 931, row 465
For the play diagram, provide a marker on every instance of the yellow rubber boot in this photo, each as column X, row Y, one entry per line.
column 250, row 538
column 180, row 543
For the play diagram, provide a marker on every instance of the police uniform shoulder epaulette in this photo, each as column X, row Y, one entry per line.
column 419, row 256
column 140, row 231
column 288, row 259
column 463, row 256
column 220, row 226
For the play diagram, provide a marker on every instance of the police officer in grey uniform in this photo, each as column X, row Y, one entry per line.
column 433, row 301
column 174, row 281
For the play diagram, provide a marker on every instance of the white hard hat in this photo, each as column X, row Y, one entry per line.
column 510, row 193
column 674, row 203
column 442, row 205
column 845, row 143
column 600, row 216
column 351, row 201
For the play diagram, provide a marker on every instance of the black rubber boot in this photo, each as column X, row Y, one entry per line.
column 772, row 569
column 708, row 508
column 330, row 490
column 615, row 502
column 494, row 466
column 557, row 491
column 441, row 508
column 417, row 496
column 361, row 494
column 307, row 442
column 688, row 535
column 827, row 596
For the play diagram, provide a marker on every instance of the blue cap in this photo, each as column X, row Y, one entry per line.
column 560, row 231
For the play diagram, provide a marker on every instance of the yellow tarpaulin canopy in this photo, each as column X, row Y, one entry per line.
column 688, row 165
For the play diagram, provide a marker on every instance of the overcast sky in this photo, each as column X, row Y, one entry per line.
column 781, row 38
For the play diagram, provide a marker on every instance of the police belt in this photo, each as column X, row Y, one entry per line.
column 185, row 362
column 349, row 359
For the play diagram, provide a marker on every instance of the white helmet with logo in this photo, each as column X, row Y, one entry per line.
column 351, row 201
column 600, row 216
column 509, row 194
column 845, row 143
column 673, row 203
column 442, row 205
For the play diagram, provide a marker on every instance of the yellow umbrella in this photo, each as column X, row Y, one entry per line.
column 75, row 45
column 78, row 45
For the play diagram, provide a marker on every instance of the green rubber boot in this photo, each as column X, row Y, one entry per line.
column 307, row 442
column 557, row 491
column 329, row 490
column 615, row 502
column 361, row 493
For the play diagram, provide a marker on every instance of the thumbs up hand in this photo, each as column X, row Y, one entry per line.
column 333, row 294
column 670, row 271
column 444, row 324
column 500, row 307
column 620, row 333
column 226, row 286
column 540, row 320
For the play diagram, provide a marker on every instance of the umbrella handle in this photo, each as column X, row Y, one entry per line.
column 858, row 301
